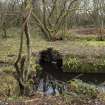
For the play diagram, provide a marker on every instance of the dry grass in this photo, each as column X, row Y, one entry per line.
column 81, row 48
column 9, row 48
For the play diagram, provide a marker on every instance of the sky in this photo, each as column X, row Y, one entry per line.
column 2, row 0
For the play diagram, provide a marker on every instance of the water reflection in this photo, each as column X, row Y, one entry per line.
column 50, row 86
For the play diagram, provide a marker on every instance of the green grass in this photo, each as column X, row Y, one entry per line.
column 75, row 48
column 11, row 46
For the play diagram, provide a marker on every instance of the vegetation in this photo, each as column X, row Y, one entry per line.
column 83, row 88
column 9, row 86
column 73, row 28
column 85, row 65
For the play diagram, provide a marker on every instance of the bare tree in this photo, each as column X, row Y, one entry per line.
column 22, row 63
column 53, row 15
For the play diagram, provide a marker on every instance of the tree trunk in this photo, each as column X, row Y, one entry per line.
column 26, row 30
column 4, row 30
